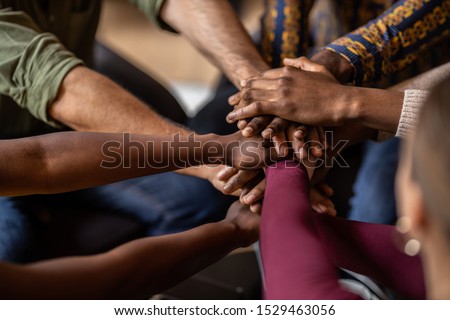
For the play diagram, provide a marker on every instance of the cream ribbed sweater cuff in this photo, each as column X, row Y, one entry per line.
column 412, row 104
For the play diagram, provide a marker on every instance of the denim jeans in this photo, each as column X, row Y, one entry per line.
column 17, row 243
column 162, row 203
column 374, row 194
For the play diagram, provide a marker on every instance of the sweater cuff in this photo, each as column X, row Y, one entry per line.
column 412, row 104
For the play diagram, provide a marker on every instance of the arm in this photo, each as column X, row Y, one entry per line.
column 62, row 91
column 51, row 83
column 88, row 101
column 138, row 269
column 313, row 247
column 69, row 161
column 308, row 93
column 215, row 29
column 288, row 235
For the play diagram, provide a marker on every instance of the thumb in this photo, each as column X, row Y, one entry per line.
column 294, row 62
column 304, row 64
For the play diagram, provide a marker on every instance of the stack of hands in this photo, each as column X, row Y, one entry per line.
column 280, row 108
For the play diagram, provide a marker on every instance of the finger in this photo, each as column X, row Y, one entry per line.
column 281, row 145
column 235, row 99
column 239, row 180
column 266, row 83
column 322, row 138
column 324, row 209
column 255, row 109
column 256, row 125
column 252, row 95
column 255, row 194
column 294, row 62
column 277, row 73
column 242, row 124
column 325, row 189
column 277, row 125
column 297, row 144
column 256, row 208
column 301, row 131
column 226, row 173
column 314, row 144
column 304, row 64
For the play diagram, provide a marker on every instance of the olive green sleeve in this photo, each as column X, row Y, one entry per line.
column 152, row 9
column 32, row 64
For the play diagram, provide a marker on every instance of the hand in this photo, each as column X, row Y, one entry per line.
column 249, row 185
column 270, row 128
column 341, row 69
column 319, row 196
column 247, row 153
column 306, row 142
column 246, row 222
column 310, row 95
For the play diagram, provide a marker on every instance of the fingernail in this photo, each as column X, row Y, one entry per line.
column 231, row 116
column 243, row 83
column 221, row 173
column 242, row 124
column 267, row 133
column 321, row 207
column 248, row 131
column 317, row 152
column 299, row 134
column 227, row 187
column 250, row 199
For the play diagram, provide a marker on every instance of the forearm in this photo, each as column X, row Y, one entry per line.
column 215, row 29
column 138, row 269
column 375, row 108
column 74, row 160
column 88, row 101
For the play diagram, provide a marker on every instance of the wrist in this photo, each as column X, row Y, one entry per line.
column 234, row 233
column 238, row 238
column 364, row 107
column 341, row 69
column 352, row 107
column 213, row 149
column 244, row 74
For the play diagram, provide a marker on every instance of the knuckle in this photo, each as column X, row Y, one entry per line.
column 248, row 96
column 283, row 81
column 249, row 84
column 256, row 122
column 285, row 91
column 258, row 107
column 237, row 181
column 321, row 68
column 275, row 125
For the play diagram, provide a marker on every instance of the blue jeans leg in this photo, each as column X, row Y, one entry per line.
column 17, row 242
column 374, row 195
column 164, row 203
